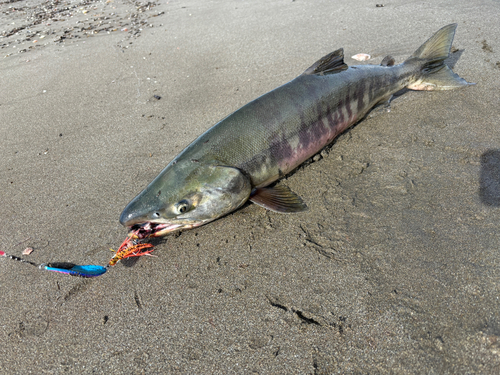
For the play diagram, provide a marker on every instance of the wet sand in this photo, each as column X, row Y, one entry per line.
column 394, row 268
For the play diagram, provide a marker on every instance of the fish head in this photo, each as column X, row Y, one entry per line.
column 183, row 196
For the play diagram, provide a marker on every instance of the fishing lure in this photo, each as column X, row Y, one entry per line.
column 72, row 269
column 130, row 248
column 62, row 267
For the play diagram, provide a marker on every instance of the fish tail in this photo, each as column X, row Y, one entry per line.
column 434, row 74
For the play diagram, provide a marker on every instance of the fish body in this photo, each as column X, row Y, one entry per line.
column 275, row 133
column 238, row 158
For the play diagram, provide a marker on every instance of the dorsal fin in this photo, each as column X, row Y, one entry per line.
column 388, row 61
column 329, row 64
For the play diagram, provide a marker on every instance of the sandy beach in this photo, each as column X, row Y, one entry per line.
column 393, row 269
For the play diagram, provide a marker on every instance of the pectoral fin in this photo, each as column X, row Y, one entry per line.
column 278, row 199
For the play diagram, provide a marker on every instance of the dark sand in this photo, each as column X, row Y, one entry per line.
column 394, row 269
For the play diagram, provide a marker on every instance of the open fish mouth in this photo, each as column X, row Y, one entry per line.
column 149, row 229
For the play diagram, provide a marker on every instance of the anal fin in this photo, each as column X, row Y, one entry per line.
column 383, row 106
column 278, row 199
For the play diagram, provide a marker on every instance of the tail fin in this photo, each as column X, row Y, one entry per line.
column 435, row 74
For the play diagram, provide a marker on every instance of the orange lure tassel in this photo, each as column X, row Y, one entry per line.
column 130, row 248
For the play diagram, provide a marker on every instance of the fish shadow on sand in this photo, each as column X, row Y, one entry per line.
column 489, row 179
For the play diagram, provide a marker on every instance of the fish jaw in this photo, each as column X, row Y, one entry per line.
column 172, row 228
column 149, row 229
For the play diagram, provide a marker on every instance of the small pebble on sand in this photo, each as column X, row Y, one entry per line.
column 27, row 251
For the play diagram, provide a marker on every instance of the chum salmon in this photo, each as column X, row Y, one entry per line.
column 240, row 157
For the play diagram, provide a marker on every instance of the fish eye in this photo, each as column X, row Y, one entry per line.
column 156, row 214
column 183, row 206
